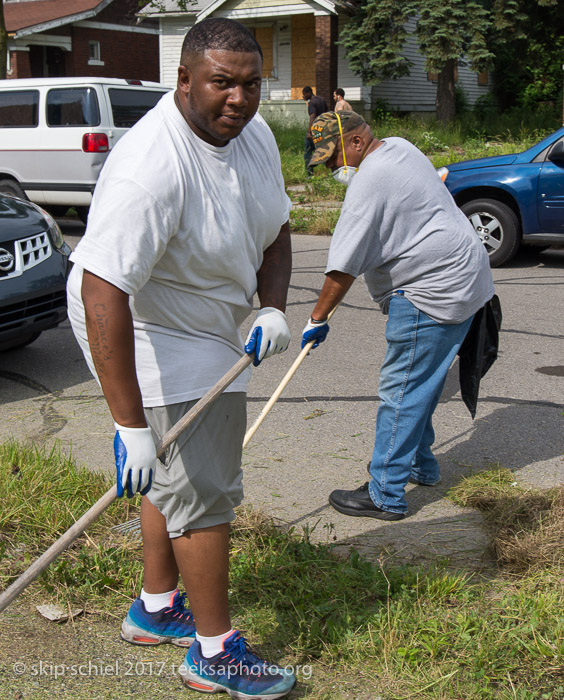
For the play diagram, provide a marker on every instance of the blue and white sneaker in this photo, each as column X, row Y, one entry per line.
column 236, row 670
column 172, row 625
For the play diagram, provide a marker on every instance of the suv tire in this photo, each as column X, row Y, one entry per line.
column 495, row 223
column 9, row 186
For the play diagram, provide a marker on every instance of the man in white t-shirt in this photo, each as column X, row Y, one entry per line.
column 189, row 219
column 428, row 271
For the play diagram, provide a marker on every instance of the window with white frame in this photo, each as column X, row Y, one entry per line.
column 94, row 54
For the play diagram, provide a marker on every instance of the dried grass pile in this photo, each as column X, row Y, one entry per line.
column 526, row 525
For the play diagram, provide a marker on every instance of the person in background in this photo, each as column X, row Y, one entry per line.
column 340, row 102
column 316, row 105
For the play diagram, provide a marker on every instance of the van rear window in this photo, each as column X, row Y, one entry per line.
column 72, row 107
column 128, row 106
column 19, row 108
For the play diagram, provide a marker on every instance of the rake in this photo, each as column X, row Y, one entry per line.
column 109, row 497
column 58, row 547
column 132, row 528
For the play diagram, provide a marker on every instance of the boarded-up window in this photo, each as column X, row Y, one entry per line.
column 264, row 37
column 435, row 76
column 303, row 54
column 483, row 78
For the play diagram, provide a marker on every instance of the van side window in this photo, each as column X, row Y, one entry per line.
column 73, row 107
column 19, row 108
column 128, row 106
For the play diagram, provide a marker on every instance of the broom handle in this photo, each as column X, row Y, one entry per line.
column 283, row 384
column 109, row 497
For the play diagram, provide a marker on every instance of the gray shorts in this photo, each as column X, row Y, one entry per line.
column 198, row 481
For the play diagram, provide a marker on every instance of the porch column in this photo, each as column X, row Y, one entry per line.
column 326, row 56
column 20, row 66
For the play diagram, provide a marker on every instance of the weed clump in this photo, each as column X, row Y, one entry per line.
column 526, row 525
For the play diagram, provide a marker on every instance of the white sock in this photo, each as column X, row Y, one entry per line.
column 212, row 645
column 156, row 601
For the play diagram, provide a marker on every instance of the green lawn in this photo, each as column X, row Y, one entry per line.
column 353, row 628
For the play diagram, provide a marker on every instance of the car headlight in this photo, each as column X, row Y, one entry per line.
column 54, row 231
column 442, row 173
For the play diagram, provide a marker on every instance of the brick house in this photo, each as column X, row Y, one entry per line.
column 299, row 42
column 56, row 38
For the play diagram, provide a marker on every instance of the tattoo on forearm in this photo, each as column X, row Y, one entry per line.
column 99, row 343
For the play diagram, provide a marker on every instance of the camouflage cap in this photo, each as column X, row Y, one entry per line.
column 325, row 133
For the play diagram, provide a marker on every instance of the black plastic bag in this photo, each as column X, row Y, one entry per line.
column 479, row 351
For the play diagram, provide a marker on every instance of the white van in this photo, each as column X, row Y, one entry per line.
column 55, row 134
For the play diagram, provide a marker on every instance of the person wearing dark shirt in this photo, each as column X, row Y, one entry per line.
column 316, row 105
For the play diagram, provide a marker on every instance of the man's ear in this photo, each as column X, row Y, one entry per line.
column 184, row 79
column 357, row 142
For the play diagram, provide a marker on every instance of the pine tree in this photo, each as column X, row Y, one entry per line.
column 447, row 31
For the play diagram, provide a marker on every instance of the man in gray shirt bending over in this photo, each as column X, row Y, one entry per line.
column 429, row 272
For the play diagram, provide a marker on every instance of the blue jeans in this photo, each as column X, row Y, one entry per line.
column 418, row 356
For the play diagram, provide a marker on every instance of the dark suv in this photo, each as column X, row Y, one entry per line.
column 34, row 267
column 513, row 199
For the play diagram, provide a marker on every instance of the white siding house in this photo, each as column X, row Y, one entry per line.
column 299, row 39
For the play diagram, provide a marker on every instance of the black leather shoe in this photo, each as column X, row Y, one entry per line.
column 358, row 502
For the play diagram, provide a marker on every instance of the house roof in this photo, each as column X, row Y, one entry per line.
column 204, row 8
column 170, row 7
column 43, row 14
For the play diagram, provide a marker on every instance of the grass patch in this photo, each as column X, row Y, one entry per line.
column 526, row 525
column 358, row 630
column 42, row 494
column 316, row 221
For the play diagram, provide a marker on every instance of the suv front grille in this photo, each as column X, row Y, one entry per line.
column 27, row 253
column 16, row 314
column 34, row 250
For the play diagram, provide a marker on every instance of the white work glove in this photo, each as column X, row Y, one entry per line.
column 269, row 334
column 136, row 455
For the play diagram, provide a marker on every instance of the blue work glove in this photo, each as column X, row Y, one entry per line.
column 269, row 334
column 314, row 330
column 136, row 455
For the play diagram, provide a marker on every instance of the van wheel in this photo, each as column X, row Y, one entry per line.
column 83, row 214
column 498, row 227
column 12, row 187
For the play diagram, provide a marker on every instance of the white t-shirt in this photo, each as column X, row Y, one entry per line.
column 181, row 226
column 400, row 226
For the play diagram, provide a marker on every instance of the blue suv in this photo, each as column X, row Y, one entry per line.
column 513, row 199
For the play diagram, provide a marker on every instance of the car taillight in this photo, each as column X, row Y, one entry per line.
column 95, row 143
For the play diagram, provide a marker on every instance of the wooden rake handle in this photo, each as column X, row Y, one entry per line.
column 39, row 565
column 283, row 384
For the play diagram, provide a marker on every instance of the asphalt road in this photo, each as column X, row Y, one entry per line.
column 319, row 435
